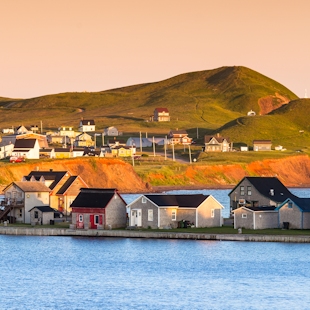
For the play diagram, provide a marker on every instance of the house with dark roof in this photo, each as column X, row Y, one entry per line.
column 161, row 115
column 87, row 125
column 258, row 191
column 26, row 148
column 42, row 215
column 99, row 208
column 294, row 213
column 64, row 187
column 62, row 152
column 263, row 217
column 262, row 145
column 169, row 211
column 20, row 197
column 217, row 144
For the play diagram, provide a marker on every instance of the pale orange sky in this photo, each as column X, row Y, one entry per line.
column 55, row 46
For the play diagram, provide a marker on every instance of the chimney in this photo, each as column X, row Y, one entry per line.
column 51, row 170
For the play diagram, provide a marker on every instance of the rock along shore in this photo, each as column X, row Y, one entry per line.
column 151, row 235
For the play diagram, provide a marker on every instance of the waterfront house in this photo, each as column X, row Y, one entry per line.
column 263, row 217
column 161, row 115
column 262, row 145
column 20, row 197
column 64, row 187
column 99, row 208
column 42, row 215
column 258, row 191
column 163, row 211
column 294, row 213
column 217, row 144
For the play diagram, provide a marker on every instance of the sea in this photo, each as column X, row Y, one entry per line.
column 41, row 272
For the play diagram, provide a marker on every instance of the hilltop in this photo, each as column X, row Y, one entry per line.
column 206, row 99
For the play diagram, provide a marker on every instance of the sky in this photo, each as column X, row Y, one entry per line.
column 56, row 46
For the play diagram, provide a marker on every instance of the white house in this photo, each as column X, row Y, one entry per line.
column 26, row 148
column 6, row 150
column 87, row 125
column 111, row 131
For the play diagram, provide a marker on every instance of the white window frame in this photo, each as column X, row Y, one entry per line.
column 150, row 215
column 143, row 200
column 244, row 215
column 81, row 217
column 173, row 215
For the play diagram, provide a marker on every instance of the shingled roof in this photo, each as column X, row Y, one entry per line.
column 270, row 187
column 32, row 186
column 302, row 203
column 180, row 201
column 51, row 175
column 94, row 197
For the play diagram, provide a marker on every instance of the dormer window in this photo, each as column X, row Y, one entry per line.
column 271, row 192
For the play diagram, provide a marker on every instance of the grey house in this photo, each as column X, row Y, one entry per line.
column 256, row 217
column 295, row 212
column 160, row 211
column 41, row 215
column 258, row 191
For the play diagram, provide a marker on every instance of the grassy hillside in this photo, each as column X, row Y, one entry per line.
column 205, row 99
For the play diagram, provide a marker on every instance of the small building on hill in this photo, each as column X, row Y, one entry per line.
column 262, row 145
column 161, row 115
column 217, row 143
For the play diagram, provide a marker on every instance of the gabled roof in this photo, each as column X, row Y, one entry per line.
column 262, row 142
column 270, row 187
column 302, row 203
column 181, row 201
column 178, row 132
column 24, row 143
column 94, row 197
column 31, row 186
column 219, row 139
column 56, row 176
column 62, row 150
column 43, row 209
column 162, row 110
column 67, row 184
column 258, row 209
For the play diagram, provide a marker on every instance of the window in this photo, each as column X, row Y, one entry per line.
column 143, row 200
column 290, row 205
column 20, row 212
column 212, row 212
column 36, row 214
column 244, row 215
column 249, row 190
column 150, row 215
column 242, row 190
column 81, row 218
column 96, row 219
column 174, row 215
column 39, row 195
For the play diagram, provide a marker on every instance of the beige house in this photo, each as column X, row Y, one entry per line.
column 217, row 144
column 42, row 215
column 171, row 211
column 21, row 197
column 262, row 145
column 179, row 137
column 83, row 140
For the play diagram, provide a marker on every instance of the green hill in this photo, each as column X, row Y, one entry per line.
column 204, row 99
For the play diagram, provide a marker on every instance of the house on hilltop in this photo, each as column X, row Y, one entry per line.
column 262, row 145
column 217, row 144
column 87, row 125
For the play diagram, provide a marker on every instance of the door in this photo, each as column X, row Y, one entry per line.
column 136, row 217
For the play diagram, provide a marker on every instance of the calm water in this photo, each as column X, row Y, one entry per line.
column 113, row 273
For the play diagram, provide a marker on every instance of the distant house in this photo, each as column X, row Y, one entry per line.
column 63, row 152
column 99, row 208
column 26, row 148
column 87, row 125
column 6, row 150
column 114, row 143
column 217, row 144
column 262, row 145
column 161, row 115
column 7, row 130
column 159, row 211
column 83, row 140
column 20, row 197
column 264, row 217
column 258, row 191
column 111, row 131
column 47, row 153
column 21, row 130
column 12, row 138
column 179, row 137
column 42, row 215
column 67, row 131
column 146, row 142
column 78, row 152
column 251, row 113
column 294, row 213
column 123, row 151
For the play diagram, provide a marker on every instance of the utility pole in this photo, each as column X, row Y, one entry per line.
column 173, row 158
column 103, row 139
column 197, row 133
column 190, row 153
column 154, row 146
column 41, row 128
column 140, row 142
column 165, row 147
